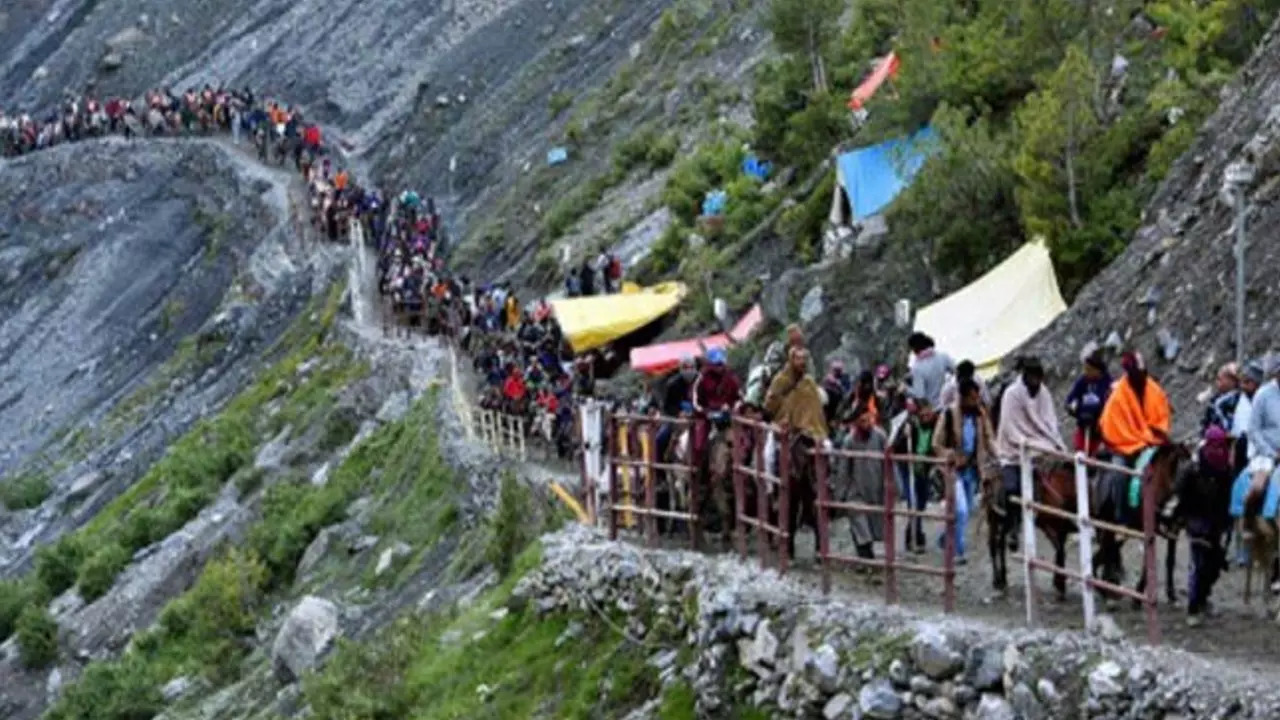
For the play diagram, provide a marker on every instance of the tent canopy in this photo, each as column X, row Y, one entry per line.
column 871, row 177
column 592, row 322
column 662, row 358
column 990, row 317
column 885, row 69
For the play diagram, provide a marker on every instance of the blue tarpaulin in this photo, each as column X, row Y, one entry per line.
column 715, row 202
column 557, row 155
column 751, row 165
column 873, row 176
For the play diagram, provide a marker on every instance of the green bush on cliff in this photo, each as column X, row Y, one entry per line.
column 1039, row 137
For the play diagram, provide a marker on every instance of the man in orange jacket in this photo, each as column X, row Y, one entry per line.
column 1134, row 424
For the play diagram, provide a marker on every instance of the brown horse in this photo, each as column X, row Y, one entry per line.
column 1260, row 538
column 802, row 485
column 1054, row 485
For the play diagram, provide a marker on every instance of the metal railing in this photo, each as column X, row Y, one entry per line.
column 889, row 564
column 634, row 470
column 769, row 533
column 1086, row 526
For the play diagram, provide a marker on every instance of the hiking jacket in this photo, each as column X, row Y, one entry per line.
column 717, row 389
column 1086, row 399
column 797, row 403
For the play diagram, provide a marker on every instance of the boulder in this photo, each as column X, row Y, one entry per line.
column 984, row 667
column 389, row 557
column 878, row 700
column 84, row 485
column 933, row 654
column 994, row 707
column 307, row 633
column 125, row 39
column 111, row 61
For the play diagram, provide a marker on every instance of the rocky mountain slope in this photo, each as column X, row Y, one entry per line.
column 1171, row 294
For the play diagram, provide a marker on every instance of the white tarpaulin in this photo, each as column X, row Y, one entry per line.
column 990, row 317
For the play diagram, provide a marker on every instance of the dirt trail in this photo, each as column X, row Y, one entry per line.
column 1242, row 636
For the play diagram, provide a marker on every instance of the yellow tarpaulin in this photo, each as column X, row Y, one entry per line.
column 990, row 317
column 591, row 322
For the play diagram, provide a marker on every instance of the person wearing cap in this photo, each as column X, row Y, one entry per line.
column 716, row 391
column 1027, row 416
column 1135, row 421
column 1220, row 410
column 1251, row 379
column 1264, row 432
column 837, row 385
column 1085, row 402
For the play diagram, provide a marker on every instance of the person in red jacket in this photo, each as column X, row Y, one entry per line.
column 716, row 391
column 514, row 390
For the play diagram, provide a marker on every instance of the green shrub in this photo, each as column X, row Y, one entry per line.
column 98, row 573
column 25, row 491
column 16, row 596
column 212, row 620
column 126, row 689
column 58, row 565
column 510, row 534
column 37, row 637
column 663, row 151
column 559, row 102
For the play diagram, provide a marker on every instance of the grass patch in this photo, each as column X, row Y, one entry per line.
column 559, row 102
column 37, row 637
column 25, row 491
column 520, row 666
column 208, row 631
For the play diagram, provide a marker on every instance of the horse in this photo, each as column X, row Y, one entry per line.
column 802, row 478
column 1260, row 540
column 1054, row 485
column 1162, row 475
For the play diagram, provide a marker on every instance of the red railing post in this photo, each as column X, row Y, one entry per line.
column 822, row 468
column 610, row 440
column 784, row 500
column 949, row 542
column 739, row 490
column 650, row 499
column 588, row 482
column 695, row 497
column 890, row 530
column 1149, row 556
column 762, row 498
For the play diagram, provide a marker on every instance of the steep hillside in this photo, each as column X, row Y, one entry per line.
column 1171, row 294
column 142, row 281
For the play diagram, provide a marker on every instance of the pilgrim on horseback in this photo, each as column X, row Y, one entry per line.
column 1027, row 423
column 1134, row 425
column 1263, row 494
column 794, row 401
column 1204, row 496
column 1085, row 400
column 715, row 395
column 1251, row 379
column 965, row 439
column 859, row 479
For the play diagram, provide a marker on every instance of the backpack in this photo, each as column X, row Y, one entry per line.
column 615, row 269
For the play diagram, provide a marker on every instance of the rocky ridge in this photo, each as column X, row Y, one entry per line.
column 1171, row 294
column 741, row 633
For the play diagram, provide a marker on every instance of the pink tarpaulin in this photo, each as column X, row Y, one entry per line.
column 665, row 357
column 887, row 68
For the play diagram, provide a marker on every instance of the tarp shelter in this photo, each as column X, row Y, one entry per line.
column 664, row 357
column 592, row 322
column 715, row 202
column 756, row 168
column 557, row 155
column 885, row 69
column 990, row 317
column 868, row 179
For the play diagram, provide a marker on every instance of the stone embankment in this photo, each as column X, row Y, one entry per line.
column 740, row 636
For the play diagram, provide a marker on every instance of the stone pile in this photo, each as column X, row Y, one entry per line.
column 754, row 639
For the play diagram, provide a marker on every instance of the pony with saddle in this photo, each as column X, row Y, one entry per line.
column 1113, row 501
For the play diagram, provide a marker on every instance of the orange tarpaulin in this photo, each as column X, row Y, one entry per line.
column 887, row 68
column 665, row 357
